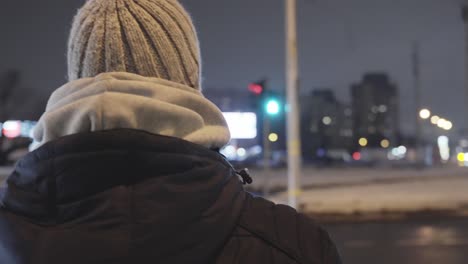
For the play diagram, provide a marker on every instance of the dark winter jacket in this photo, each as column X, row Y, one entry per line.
column 127, row 196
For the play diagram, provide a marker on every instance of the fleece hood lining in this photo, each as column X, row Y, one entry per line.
column 124, row 100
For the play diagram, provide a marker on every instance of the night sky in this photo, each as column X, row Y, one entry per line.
column 243, row 40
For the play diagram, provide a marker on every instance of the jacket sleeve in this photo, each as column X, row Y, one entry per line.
column 290, row 232
column 315, row 244
column 330, row 252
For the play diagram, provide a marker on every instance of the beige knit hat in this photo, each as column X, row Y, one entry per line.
column 152, row 38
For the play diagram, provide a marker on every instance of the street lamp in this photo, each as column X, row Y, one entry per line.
column 363, row 142
column 425, row 113
column 435, row 119
column 385, row 143
column 448, row 125
column 326, row 120
column 273, row 137
column 441, row 122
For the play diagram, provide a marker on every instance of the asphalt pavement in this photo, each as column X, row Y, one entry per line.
column 429, row 241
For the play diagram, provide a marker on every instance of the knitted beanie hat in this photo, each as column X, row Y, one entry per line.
column 152, row 38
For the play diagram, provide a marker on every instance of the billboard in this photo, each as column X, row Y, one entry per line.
column 243, row 125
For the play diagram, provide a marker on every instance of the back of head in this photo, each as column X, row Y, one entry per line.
column 152, row 38
column 133, row 64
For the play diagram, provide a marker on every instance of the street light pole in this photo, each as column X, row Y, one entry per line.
column 465, row 20
column 266, row 153
column 417, row 100
column 293, row 132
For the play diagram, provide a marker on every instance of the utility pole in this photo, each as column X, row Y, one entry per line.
column 465, row 20
column 293, row 132
column 417, row 99
column 266, row 152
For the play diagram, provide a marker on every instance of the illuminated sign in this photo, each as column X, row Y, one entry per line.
column 12, row 129
column 242, row 125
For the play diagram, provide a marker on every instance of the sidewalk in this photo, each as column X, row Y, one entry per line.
column 332, row 177
column 362, row 193
column 367, row 192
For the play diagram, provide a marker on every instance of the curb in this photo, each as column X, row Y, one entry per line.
column 386, row 216
column 275, row 189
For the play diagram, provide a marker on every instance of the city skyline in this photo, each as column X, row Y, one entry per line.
column 243, row 41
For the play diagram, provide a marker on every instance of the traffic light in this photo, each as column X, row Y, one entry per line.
column 267, row 102
column 269, row 108
column 257, row 88
column 272, row 106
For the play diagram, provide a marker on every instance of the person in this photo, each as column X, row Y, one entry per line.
column 125, row 165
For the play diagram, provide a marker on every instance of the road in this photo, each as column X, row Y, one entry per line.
column 436, row 241
column 276, row 179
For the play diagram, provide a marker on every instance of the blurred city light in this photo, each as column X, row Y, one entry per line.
column 327, row 120
column 11, row 129
column 383, row 108
column 242, row 125
column 272, row 107
column 255, row 150
column 357, row 156
column 444, row 149
column 425, row 113
column 229, row 152
column 256, row 88
column 273, row 137
column 241, row 152
column 461, row 157
column 398, row 153
column 363, row 142
column 385, row 143
column 444, row 124
column 14, row 129
column 321, row 152
column 27, row 128
column 448, row 125
column 235, row 153
column 441, row 123
column 402, row 150
column 435, row 119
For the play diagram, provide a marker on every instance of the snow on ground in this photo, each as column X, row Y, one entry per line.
column 385, row 191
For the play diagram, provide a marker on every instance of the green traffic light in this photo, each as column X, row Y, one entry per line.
column 272, row 107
